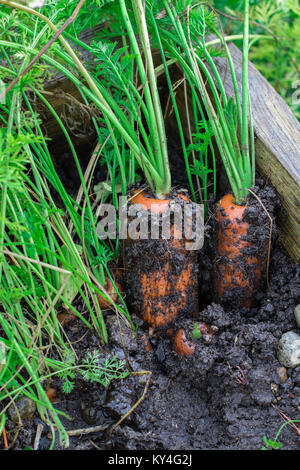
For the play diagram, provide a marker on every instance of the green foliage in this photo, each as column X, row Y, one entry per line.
column 92, row 369
column 277, row 59
column 110, row 369
column 30, row 286
column 67, row 372
column 271, row 445
column 112, row 65
column 196, row 334
column 275, row 444
column 13, row 158
column 38, row 239
column 91, row 14
column 200, row 145
column 72, row 283
column 13, row 362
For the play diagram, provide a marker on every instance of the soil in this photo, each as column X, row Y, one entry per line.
column 228, row 395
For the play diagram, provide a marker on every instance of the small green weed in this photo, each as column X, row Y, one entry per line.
column 271, row 445
column 92, row 370
column 196, row 334
column 275, row 444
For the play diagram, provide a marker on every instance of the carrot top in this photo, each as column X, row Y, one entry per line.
column 229, row 117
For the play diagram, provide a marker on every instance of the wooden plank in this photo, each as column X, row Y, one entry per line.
column 65, row 98
column 277, row 144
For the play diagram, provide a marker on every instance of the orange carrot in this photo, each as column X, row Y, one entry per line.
column 105, row 304
column 65, row 317
column 51, row 394
column 157, row 206
column 182, row 346
column 158, row 289
column 237, row 274
column 4, row 438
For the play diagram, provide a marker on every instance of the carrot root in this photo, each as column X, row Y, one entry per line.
column 182, row 346
column 103, row 303
column 237, row 274
column 161, row 285
column 4, row 438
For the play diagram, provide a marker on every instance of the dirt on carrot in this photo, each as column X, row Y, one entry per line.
column 242, row 238
column 161, row 274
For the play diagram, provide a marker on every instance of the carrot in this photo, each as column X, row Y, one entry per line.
column 105, row 304
column 238, row 270
column 4, row 438
column 157, row 206
column 51, row 394
column 182, row 346
column 65, row 317
column 161, row 274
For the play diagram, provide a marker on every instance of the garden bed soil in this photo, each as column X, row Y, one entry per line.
column 228, row 395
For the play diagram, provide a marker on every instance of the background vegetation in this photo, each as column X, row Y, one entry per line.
column 277, row 59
